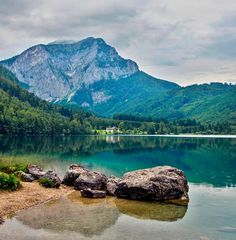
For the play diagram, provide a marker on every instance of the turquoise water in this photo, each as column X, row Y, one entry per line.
column 209, row 163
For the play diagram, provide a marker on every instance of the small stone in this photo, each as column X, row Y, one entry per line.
column 92, row 193
column 25, row 177
column 1, row 220
column 36, row 171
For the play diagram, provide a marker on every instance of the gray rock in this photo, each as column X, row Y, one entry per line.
column 153, row 184
column 89, row 193
column 36, row 171
column 92, row 180
column 25, row 177
column 54, row 180
column 112, row 183
column 72, row 174
column 64, row 68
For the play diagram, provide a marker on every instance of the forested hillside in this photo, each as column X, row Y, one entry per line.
column 22, row 113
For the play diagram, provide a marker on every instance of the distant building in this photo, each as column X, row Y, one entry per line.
column 112, row 130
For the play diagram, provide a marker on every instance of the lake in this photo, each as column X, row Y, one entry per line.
column 209, row 164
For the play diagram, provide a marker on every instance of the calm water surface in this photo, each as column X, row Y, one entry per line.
column 209, row 163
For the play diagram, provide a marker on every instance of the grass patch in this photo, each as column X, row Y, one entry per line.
column 46, row 182
column 9, row 182
column 8, row 167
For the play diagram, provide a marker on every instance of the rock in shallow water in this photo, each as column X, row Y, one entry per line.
column 72, row 174
column 92, row 180
column 153, row 184
column 93, row 193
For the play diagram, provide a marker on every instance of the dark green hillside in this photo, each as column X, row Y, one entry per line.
column 22, row 113
column 123, row 95
column 215, row 102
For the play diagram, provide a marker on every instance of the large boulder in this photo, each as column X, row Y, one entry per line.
column 50, row 180
column 89, row 193
column 153, row 184
column 72, row 174
column 36, row 171
column 92, row 180
column 112, row 183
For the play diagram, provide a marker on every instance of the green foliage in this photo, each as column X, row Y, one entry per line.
column 46, row 182
column 22, row 113
column 7, row 167
column 9, row 182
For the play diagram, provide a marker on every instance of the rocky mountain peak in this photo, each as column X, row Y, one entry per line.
column 58, row 69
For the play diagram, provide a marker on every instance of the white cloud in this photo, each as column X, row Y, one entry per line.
column 185, row 41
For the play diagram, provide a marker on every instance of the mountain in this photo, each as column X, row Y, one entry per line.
column 86, row 73
column 22, row 113
column 91, row 74
column 214, row 102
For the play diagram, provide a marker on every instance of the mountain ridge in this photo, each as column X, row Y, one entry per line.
column 91, row 74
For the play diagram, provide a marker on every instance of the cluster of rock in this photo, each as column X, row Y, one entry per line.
column 35, row 173
column 153, row 184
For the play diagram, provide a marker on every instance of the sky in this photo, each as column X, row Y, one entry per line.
column 184, row 41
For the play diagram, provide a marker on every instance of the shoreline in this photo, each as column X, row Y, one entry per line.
column 232, row 136
column 29, row 195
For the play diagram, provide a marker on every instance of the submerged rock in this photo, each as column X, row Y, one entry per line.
column 25, row 177
column 51, row 180
column 72, row 174
column 92, row 180
column 36, row 171
column 112, row 183
column 153, row 184
column 93, row 193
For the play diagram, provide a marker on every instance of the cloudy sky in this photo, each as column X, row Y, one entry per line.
column 185, row 41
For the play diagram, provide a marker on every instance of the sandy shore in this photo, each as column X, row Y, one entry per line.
column 28, row 195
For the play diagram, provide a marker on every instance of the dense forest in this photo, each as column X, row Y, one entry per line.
column 22, row 113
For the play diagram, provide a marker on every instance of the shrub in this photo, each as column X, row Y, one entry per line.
column 46, row 182
column 8, row 182
column 11, row 168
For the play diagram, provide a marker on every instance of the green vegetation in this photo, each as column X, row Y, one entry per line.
column 9, row 182
column 9, row 168
column 46, row 182
column 22, row 113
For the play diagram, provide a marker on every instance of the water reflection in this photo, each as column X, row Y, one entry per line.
column 118, row 154
column 70, row 214
column 93, row 216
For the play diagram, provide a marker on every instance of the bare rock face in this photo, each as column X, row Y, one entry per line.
column 54, row 180
column 36, row 171
column 112, row 183
column 25, row 177
column 92, row 180
column 153, row 184
column 93, row 193
column 72, row 174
